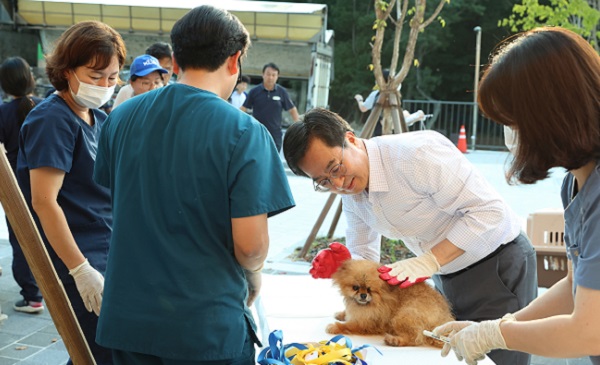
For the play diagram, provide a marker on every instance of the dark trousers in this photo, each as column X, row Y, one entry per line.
column 504, row 282
column 132, row 358
column 88, row 321
column 21, row 271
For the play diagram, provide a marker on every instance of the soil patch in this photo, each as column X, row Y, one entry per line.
column 391, row 250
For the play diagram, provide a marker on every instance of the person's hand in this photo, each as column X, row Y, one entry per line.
column 410, row 271
column 327, row 261
column 254, row 279
column 90, row 284
column 471, row 341
column 358, row 98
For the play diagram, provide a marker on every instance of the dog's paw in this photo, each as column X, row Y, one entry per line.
column 340, row 316
column 397, row 341
column 333, row 328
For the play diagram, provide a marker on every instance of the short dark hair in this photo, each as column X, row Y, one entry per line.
column 545, row 83
column 160, row 50
column 206, row 36
column 16, row 78
column 245, row 78
column 318, row 123
column 84, row 43
column 271, row 65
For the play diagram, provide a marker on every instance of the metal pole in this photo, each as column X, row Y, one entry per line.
column 476, row 86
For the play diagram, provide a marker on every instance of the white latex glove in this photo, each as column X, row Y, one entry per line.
column 90, row 284
column 470, row 340
column 410, row 271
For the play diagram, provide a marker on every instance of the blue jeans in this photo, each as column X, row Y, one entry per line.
column 21, row 271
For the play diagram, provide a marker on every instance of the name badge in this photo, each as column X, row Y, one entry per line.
column 276, row 98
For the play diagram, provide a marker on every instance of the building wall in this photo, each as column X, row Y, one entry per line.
column 19, row 43
column 294, row 60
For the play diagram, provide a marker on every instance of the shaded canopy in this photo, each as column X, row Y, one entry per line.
column 264, row 20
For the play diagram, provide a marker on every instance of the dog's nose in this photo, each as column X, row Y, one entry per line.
column 363, row 296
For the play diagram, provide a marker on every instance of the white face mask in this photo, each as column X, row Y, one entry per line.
column 510, row 139
column 91, row 96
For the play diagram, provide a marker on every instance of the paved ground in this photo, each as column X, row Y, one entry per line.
column 33, row 340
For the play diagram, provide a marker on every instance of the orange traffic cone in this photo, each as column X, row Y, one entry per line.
column 462, row 140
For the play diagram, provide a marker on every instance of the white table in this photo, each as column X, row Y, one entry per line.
column 301, row 307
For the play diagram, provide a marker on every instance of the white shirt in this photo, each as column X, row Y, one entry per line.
column 238, row 99
column 423, row 190
column 125, row 93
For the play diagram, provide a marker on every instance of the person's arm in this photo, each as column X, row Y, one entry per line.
column 243, row 108
column 250, row 241
column 46, row 183
column 417, row 269
column 294, row 114
column 250, row 246
column 362, row 241
column 360, row 102
column 566, row 336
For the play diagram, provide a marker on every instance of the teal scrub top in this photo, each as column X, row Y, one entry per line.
column 181, row 163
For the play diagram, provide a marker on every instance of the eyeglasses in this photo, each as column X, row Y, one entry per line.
column 147, row 84
column 336, row 171
column 240, row 73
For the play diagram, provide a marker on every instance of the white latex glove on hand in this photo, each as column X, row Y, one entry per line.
column 470, row 340
column 90, row 284
column 410, row 271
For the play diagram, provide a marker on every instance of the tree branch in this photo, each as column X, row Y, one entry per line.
column 434, row 15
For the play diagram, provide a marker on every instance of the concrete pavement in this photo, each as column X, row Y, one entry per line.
column 27, row 339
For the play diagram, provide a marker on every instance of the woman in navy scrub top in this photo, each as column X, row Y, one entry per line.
column 58, row 143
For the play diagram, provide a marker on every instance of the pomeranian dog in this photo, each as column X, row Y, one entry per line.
column 374, row 307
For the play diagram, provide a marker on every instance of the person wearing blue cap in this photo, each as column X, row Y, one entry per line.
column 146, row 75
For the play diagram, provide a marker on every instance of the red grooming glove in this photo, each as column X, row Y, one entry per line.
column 410, row 271
column 328, row 260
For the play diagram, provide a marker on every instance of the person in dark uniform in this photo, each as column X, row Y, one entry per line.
column 268, row 100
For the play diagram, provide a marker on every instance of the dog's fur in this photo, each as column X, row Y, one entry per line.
column 374, row 307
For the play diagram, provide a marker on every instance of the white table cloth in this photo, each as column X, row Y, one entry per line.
column 302, row 307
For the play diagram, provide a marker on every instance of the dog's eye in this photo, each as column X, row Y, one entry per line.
column 355, row 287
column 368, row 290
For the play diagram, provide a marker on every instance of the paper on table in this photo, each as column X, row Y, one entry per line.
column 302, row 307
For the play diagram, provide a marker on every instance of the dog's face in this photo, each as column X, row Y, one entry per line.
column 359, row 282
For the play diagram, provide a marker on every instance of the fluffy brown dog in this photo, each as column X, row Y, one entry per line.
column 373, row 307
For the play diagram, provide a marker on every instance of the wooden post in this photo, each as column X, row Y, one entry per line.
column 41, row 266
column 315, row 230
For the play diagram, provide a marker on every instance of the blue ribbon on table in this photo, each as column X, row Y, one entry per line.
column 330, row 352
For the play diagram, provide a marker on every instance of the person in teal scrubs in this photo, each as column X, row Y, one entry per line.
column 193, row 180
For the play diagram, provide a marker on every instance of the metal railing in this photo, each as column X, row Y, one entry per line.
column 447, row 118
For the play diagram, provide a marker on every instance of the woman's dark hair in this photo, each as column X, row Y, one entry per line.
column 317, row 123
column 544, row 84
column 86, row 43
column 17, row 80
column 206, row 36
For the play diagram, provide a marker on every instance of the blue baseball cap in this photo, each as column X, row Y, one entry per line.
column 145, row 64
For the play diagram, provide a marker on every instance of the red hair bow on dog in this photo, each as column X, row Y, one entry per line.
column 328, row 260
